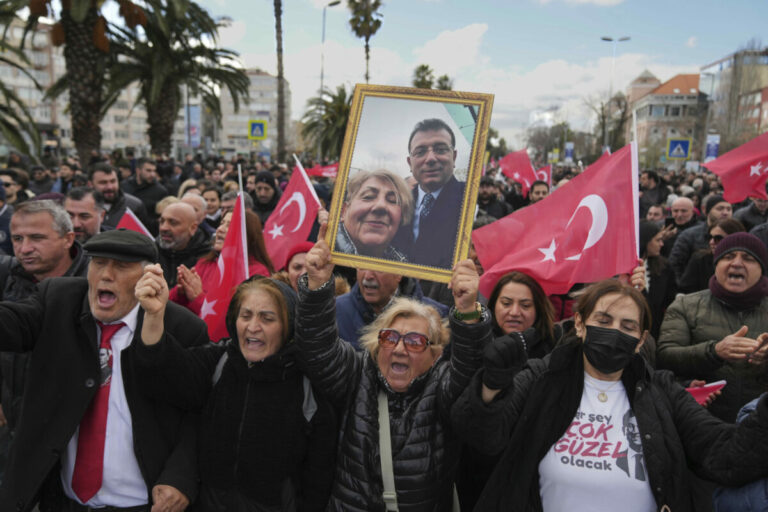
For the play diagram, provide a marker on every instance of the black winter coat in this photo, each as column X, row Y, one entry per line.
column 56, row 324
column 14, row 367
column 424, row 449
column 257, row 451
column 525, row 420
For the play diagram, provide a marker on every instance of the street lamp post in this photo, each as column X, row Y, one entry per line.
column 322, row 63
column 610, row 90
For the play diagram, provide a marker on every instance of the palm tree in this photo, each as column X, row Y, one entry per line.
column 280, row 79
column 83, row 32
column 365, row 21
column 16, row 123
column 325, row 120
column 176, row 50
column 423, row 77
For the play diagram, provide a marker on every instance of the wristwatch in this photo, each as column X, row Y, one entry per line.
column 472, row 315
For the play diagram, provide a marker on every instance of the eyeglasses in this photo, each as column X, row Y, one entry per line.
column 437, row 149
column 716, row 238
column 412, row 341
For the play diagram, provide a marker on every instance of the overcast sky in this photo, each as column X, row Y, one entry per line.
column 532, row 54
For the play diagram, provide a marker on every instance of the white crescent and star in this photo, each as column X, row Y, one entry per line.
column 298, row 198
column 599, row 212
column 754, row 170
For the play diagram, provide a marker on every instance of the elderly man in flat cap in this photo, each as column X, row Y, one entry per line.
column 87, row 438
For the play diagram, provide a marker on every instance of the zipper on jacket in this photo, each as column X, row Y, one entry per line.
column 242, row 424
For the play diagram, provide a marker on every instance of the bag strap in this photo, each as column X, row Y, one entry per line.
column 385, row 454
column 219, row 368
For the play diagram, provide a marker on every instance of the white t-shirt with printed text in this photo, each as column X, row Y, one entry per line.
column 598, row 464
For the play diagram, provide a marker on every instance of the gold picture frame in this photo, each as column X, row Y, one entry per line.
column 432, row 143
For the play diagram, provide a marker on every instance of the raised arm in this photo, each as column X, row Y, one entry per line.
column 470, row 325
column 171, row 372
column 330, row 363
column 487, row 411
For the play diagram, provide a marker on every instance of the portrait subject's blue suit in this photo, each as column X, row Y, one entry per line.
column 438, row 232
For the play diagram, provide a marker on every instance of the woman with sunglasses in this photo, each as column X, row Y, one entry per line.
column 701, row 266
column 409, row 375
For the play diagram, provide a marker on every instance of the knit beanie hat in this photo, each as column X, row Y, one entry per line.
column 268, row 178
column 711, row 202
column 745, row 242
column 297, row 249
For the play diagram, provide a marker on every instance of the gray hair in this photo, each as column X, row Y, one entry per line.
column 404, row 307
column 232, row 194
column 62, row 223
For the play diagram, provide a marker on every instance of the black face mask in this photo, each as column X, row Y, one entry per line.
column 609, row 350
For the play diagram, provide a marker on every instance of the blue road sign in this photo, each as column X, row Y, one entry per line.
column 257, row 130
column 679, row 149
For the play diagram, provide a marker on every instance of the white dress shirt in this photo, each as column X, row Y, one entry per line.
column 122, row 484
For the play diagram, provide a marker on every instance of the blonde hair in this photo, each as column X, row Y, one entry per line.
column 405, row 199
column 403, row 307
column 165, row 202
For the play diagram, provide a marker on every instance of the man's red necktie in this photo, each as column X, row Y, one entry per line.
column 89, row 462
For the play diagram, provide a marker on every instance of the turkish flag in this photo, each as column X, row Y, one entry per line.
column 517, row 166
column 324, row 171
column 130, row 221
column 292, row 219
column 232, row 268
column 743, row 170
column 582, row 232
column 545, row 174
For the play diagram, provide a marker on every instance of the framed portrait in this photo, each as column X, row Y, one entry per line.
column 405, row 193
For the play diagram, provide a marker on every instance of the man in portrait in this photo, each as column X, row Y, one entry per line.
column 431, row 238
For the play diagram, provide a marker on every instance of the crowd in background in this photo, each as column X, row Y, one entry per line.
column 516, row 401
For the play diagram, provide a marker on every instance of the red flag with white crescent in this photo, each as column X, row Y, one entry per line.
column 545, row 174
column 581, row 233
column 743, row 170
column 292, row 219
column 232, row 269
column 130, row 221
column 517, row 167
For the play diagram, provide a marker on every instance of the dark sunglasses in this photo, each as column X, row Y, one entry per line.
column 413, row 341
column 716, row 238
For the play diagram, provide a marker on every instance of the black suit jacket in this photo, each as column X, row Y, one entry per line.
column 56, row 324
column 438, row 233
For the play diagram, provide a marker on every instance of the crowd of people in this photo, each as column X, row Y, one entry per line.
column 354, row 389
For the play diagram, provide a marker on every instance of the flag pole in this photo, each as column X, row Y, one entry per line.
column 240, row 176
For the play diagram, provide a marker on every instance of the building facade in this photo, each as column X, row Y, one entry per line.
column 232, row 136
column 674, row 109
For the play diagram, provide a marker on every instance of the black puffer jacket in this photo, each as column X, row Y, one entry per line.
column 525, row 420
column 424, row 449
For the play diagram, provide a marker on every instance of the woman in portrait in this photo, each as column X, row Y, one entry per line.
column 377, row 203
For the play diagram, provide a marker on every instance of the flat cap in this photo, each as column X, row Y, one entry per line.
column 122, row 244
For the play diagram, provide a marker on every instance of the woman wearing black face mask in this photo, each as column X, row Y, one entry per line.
column 592, row 427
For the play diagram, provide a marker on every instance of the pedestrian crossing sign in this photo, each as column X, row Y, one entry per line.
column 257, row 130
column 679, row 149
